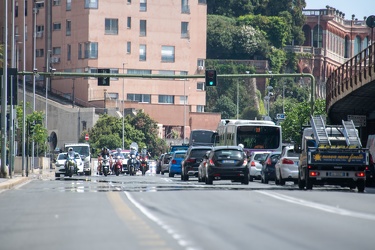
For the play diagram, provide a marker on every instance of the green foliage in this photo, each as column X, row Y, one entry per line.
column 140, row 128
column 277, row 59
column 297, row 115
column 226, row 107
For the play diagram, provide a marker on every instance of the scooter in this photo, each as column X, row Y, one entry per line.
column 118, row 166
column 105, row 165
column 144, row 165
column 132, row 165
column 70, row 166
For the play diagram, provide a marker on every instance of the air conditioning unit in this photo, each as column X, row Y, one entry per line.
column 200, row 68
column 39, row 34
column 55, row 59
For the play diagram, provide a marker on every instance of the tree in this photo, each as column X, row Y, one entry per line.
column 226, row 106
column 297, row 115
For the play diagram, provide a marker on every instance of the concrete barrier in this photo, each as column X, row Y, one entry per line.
column 43, row 163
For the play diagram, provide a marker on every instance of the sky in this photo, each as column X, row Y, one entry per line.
column 359, row 8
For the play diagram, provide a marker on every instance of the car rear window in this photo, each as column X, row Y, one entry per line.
column 260, row 157
column 198, row 153
column 229, row 154
column 291, row 153
column 180, row 155
column 62, row 157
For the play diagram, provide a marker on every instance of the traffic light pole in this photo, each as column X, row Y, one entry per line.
column 108, row 75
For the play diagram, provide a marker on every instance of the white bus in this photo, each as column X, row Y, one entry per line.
column 255, row 135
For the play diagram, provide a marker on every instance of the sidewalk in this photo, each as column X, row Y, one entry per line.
column 17, row 179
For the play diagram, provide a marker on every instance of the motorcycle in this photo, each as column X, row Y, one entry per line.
column 70, row 166
column 118, row 165
column 132, row 165
column 144, row 165
column 105, row 165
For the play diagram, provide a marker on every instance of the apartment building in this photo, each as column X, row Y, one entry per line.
column 123, row 36
column 330, row 40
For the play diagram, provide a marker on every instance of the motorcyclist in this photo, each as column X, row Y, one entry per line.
column 134, row 151
column 71, row 154
column 103, row 153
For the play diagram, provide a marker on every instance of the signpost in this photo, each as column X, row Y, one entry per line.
column 87, row 137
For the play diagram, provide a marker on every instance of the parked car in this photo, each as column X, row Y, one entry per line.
column 165, row 163
column 226, row 163
column 268, row 167
column 256, row 161
column 159, row 163
column 286, row 168
column 175, row 162
column 60, row 164
column 193, row 158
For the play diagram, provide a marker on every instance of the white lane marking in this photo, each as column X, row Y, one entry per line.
column 179, row 238
column 326, row 208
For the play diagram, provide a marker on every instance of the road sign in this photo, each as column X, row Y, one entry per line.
column 370, row 21
column 280, row 116
column 87, row 137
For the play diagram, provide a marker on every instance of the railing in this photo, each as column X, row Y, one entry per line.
column 351, row 75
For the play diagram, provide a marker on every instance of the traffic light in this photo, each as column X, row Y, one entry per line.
column 103, row 81
column 210, row 76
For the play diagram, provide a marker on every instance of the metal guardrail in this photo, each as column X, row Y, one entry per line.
column 351, row 75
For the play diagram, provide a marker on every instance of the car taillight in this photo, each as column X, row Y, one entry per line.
column 367, row 168
column 314, row 173
column 287, row 161
column 174, row 161
column 268, row 162
column 244, row 162
column 252, row 164
column 360, row 174
column 211, row 162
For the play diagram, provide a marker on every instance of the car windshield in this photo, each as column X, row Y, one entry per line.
column 179, row 155
column 228, row 154
column 61, row 157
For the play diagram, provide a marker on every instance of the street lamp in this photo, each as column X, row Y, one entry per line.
column 267, row 100
column 122, row 105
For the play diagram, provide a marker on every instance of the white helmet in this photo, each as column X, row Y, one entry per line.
column 241, row 145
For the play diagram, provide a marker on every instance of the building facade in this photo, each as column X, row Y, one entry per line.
column 330, row 40
column 132, row 37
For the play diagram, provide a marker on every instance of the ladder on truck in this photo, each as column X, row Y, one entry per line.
column 320, row 132
column 351, row 135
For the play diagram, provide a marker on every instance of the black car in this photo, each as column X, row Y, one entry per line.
column 268, row 168
column 190, row 164
column 226, row 163
column 159, row 163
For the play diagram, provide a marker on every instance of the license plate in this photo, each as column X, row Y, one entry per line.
column 341, row 174
column 228, row 161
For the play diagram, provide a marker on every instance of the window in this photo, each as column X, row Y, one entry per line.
column 68, row 27
column 142, row 52
column 111, row 26
column 167, row 53
column 129, row 1
column 91, row 50
column 200, row 63
column 169, row 99
column 68, row 5
column 56, row 51
column 200, row 108
column 183, row 99
column 202, row 1
column 114, row 71
column 185, row 6
column 142, row 27
column 39, row 4
column 143, row 5
column 200, row 85
column 129, row 22
column 56, row 26
column 91, row 4
column 138, row 71
column 39, row 31
column 39, row 53
column 139, row 98
column 185, row 29
column 128, row 47
column 56, row 2
column 69, row 52
column 80, row 51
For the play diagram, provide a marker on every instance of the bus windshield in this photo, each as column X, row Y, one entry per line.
column 259, row 137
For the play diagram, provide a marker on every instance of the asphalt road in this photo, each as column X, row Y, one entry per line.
column 159, row 213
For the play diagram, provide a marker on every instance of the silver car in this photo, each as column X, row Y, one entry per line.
column 286, row 168
column 256, row 161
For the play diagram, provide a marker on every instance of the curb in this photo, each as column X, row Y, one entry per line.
column 12, row 182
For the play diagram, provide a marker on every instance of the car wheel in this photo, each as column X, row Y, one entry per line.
column 246, row 180
column 162, row 173
column 251, row 179
column 361, row 186
column 57, row 175
column 171, row 174
column 209, row 180
column 281, row 181
column 301, row 183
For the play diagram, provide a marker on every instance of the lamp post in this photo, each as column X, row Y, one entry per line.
column 184, row 111
column 237, row 97
column 122, row 106
column 351, row 38
column 267, row 99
